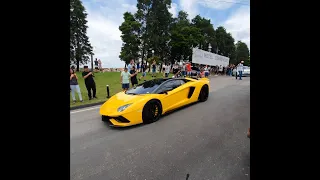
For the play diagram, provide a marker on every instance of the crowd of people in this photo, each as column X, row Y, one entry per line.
column 130, row 73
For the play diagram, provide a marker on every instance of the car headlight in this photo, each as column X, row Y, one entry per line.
column 122, row 108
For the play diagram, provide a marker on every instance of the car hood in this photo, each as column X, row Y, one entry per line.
column 120, row 99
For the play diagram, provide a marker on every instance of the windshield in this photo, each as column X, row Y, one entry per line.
column 146, row 87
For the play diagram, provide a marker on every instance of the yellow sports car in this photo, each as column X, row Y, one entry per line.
column 146, row 102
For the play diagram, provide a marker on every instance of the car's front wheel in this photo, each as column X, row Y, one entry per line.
column 152, row 111
column 204, row 93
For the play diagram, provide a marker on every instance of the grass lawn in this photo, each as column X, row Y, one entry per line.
column 102, row 79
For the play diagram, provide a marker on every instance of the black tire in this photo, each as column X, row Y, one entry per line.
column 204, row 93
column 152, row 111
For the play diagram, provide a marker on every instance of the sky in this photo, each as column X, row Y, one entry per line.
column 105, row 17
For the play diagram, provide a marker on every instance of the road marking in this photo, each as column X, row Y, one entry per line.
column 72, row 112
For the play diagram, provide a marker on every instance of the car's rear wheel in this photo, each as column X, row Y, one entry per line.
column 204, row 93
column 152, row 111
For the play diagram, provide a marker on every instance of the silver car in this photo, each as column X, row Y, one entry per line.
column 246, row 71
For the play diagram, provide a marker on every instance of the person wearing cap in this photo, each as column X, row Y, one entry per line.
column 89, row 82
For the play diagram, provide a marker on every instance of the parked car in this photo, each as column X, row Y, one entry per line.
column 246, row 71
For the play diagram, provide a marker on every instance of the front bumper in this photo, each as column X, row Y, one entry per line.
column 122, row 120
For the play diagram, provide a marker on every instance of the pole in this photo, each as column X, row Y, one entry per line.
column 91, row 62
column 108, row 92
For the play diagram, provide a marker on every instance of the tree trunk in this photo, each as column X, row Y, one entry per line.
column 78, row 65
column 160, row 69
column 143, row 53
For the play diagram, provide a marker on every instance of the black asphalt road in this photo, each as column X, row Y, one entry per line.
column 206, row 140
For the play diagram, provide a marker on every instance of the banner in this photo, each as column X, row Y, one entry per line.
column 207, row 58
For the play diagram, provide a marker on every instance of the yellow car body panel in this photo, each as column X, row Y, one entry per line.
column 171, row 100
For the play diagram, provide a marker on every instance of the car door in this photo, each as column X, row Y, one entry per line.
column 174, row 94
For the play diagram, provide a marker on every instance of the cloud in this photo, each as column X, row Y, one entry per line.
column 192, row 6
column 104, row 19
column 217, row 4
column 189, row 6
column 238, row 24
column 173, row 9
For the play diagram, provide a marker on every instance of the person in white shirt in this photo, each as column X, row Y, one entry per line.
column 163, row 69
column 220, row 70
column 239, row 70
column 167, row 69
column 206, row 71
column 183, row 69
column 130, row 65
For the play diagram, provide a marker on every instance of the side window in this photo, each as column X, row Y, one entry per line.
column 166, row 86
column 178, row 83
column 171, row 85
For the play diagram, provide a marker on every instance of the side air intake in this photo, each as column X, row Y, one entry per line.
column 191, row 92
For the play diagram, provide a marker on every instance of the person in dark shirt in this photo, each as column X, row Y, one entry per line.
column 143, row 70
column 134, row 80
column 153, row 66
column 89, row 82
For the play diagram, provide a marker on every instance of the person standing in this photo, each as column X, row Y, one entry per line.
column 239, row 70
column 143, row 69
column 154, row 66
column 188, row 66
column 125, row 79
column 74, row 86
column 183, row 69
column 220, row 70
column 96, row 64
column 89, row 82
column 100, row 65
column 130, row 65
column 206, row 71
column 167, row 70
column 134, row 80
column 202, row 73
column 138, row 66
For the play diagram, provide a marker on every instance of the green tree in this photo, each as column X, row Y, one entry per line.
column 242, row 52
column 207, row 32
column 183, row 37
column 80, row 47
column 130, row 38
column 143, row 9
column 158, row 23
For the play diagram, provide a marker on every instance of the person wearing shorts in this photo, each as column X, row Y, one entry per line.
column 167, row 70
column 125, row 79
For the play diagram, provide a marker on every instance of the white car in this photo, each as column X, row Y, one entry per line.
column 246, row 71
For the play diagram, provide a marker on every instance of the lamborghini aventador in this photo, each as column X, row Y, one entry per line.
column 146, row 102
